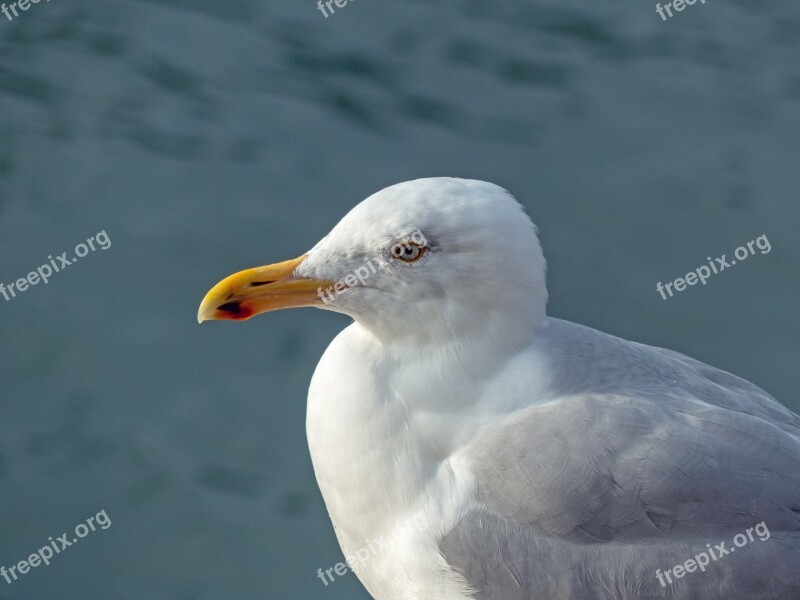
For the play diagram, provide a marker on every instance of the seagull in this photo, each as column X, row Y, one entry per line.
column 469, row 446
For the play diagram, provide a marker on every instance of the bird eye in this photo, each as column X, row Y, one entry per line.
column 408, row 251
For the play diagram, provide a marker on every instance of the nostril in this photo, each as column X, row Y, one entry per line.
column 258, row 283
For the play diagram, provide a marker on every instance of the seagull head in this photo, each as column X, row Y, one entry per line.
column 431, row 259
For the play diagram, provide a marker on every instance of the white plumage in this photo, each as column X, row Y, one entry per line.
column 547, row 460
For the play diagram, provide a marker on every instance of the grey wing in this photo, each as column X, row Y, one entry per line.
column 593, row 496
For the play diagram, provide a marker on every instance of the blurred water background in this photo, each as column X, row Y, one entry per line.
column 205, row 137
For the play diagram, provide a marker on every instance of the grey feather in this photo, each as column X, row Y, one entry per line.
column 589, row 493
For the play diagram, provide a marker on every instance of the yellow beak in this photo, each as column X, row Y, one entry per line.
column 255, row 291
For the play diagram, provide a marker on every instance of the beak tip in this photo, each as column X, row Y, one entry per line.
column 201, row 315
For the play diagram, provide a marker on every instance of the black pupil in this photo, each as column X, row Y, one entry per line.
column 404, row 251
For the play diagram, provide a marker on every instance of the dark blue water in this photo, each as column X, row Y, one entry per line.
column 204, row 137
